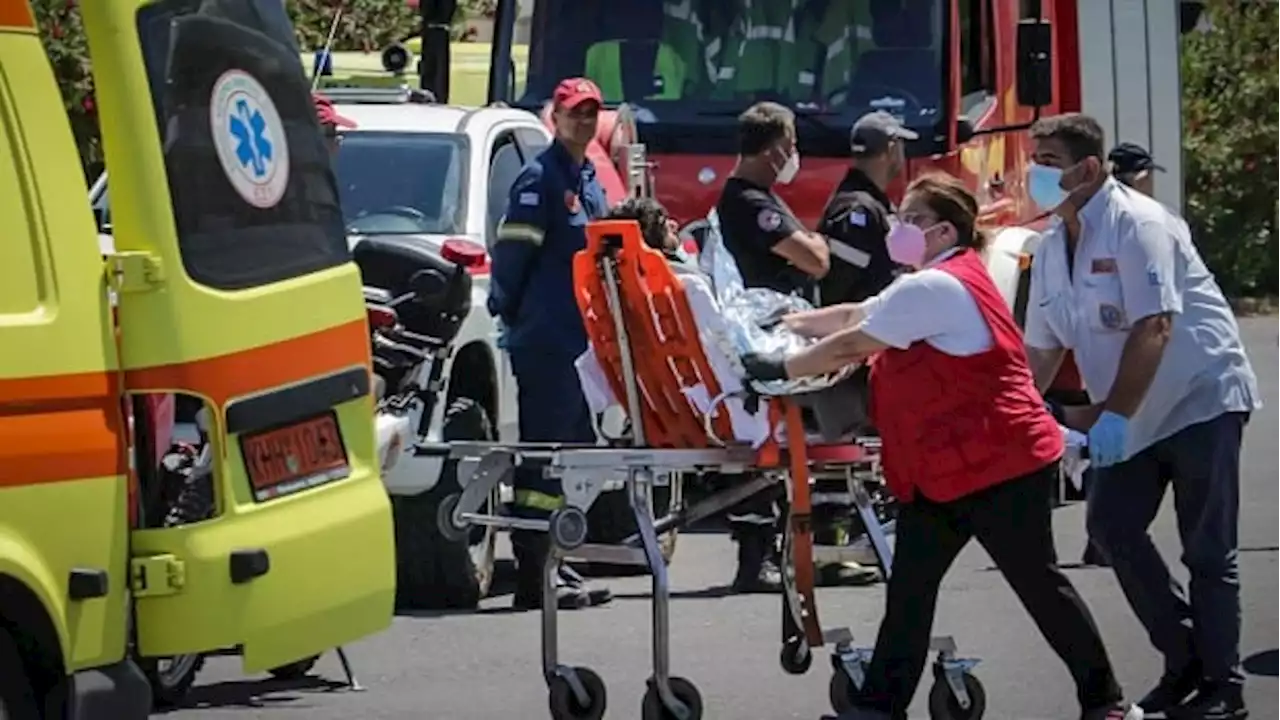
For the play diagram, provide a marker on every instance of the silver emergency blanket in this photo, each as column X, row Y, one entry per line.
column 745, row 310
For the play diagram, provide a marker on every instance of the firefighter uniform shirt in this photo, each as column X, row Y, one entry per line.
column 752, row 221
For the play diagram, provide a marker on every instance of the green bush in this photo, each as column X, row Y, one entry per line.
column 1229, row 88
column 365, row 25
column 68, row 50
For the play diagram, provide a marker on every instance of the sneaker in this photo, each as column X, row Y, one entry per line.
column 1118, row 711
column 1212, row 702
column 597, row 595
column 1173, row 688
column 757, row 570
column 847, row 574
column 528, row 595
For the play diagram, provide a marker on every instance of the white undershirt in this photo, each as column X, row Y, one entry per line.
column 930, row 305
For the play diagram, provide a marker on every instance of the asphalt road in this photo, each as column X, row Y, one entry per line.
column 486, row 665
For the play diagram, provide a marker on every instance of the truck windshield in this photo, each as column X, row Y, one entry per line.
column 693, row 63
column 401, row 183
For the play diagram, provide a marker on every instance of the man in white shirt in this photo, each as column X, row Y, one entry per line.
column 1159, row 350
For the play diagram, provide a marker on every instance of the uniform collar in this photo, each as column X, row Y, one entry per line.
column 1091, row 212
column 856, row 180
column 570, row 165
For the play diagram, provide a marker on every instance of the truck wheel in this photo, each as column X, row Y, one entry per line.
column 609, row 521
column 433, row 572
column 171, row 677
column 16, row 699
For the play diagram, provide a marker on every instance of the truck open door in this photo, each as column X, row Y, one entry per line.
column 235, row 286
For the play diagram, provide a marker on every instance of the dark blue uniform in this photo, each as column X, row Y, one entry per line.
column 531, row 292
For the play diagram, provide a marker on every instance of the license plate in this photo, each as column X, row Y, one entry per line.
column 295, row 457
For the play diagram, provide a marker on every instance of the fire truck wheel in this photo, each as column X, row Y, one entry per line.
column 294, row 670
column 609, row 522
column 16, row 699
column 433, row 572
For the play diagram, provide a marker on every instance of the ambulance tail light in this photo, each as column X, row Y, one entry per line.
column 467, row 254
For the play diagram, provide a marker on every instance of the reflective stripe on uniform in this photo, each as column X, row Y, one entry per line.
column 849, row 253
column 538, row 500
column 752, row 519
column 521, row 233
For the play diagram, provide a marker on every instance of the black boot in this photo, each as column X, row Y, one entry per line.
column 757, row 570
column 530, row 550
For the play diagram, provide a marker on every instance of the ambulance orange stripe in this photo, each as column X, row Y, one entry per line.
column 59, row 427
column 16, row 14
column 251, row 371
column 66, row 427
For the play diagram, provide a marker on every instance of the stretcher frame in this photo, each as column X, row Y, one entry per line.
column 586, row 470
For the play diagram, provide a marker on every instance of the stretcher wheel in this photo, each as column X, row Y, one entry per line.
column 444, row 518
column 568, row 527
column 841, row 691
column 685, row 692
column 944, row 706
column 796, row 657
column 564, row 704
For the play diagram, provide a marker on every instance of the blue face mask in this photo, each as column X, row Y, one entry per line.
column 1044, row 186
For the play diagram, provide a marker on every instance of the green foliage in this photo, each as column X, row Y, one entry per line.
column 68, row 50
column 367, row 25
column 1229, row 88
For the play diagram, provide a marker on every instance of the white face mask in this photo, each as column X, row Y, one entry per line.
column 789, row 168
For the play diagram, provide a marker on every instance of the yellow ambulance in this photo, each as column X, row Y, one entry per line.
column 229, row 282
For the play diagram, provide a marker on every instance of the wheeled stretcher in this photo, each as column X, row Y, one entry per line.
column 652, row 355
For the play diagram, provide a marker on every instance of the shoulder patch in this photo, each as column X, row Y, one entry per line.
column 529, row 199
column 857, row 218
column 769, row 220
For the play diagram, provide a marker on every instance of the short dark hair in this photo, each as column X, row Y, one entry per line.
column 649, row 213
column 1079, row 133
column 762, row 125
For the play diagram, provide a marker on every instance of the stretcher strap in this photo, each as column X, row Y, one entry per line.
column 800, row 523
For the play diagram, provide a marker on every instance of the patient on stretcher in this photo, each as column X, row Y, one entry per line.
column 750, row 322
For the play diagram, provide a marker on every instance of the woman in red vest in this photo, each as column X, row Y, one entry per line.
column 968, row 447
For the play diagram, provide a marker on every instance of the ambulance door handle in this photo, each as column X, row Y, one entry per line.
column 248, row 564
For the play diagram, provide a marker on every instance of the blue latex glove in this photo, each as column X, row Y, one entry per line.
column 1107, row 439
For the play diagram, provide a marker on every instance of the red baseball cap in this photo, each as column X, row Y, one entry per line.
column 327, row 115
column 572, row 92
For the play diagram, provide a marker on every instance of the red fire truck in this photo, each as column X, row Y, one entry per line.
column 968, row 75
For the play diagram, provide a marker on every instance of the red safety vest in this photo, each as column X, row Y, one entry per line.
column 951, row 426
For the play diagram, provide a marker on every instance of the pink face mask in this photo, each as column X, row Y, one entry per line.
column 906, row 244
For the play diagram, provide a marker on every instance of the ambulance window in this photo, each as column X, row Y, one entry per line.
column 254, row 201
column 977, row 54
column 22, row 284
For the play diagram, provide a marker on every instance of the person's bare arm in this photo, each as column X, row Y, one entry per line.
column 1139, row 360
column 824, row 321
column 847, row 347
column 1044, row 365
column 807, row 251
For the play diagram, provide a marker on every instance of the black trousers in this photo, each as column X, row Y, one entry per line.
column 1012, row 520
